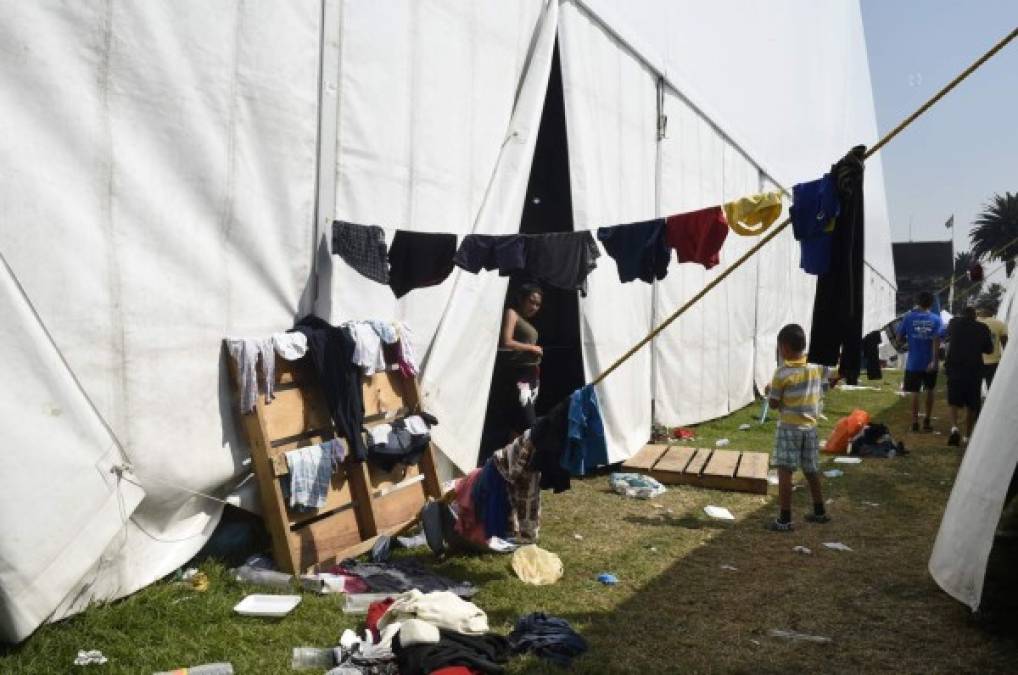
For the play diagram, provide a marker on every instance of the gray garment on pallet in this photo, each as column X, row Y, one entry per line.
column 245, row 352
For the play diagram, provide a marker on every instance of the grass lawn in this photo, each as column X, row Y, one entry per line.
column 675, row 608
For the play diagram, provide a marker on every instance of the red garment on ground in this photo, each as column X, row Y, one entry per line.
column 454, row 670
column 469, row 526
column 375, row 612
column 697, row 236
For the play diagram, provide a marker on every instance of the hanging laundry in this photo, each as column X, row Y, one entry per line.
column 514, row 463
column 506, row 253
column 332, row 356
column 386, row 330
column 697, row 236
column 362, row 247
column 407, row 356
column 838, row 305
column 639, row 249
column 292, row 346
column 585, row 445
column 562, row 259
column 310, row 474
column 752, row 215
column 814, row 211
column 245, row 353
column 549, row 437
column 469, row 519
column 419, row 260
column 490, row 499
column 367, row 351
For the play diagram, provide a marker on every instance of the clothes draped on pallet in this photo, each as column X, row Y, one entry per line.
column 419, row 260
column 310, row 470
column 332, row 352
column 752, row 215
column 814, row 211
column 403, row 441
column 838, row 307
column 246, row 352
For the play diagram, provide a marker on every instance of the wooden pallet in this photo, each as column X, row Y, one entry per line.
column 364, row 501
column 702, row 467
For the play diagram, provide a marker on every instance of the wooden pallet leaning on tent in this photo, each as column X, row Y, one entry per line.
column 364, row 501
column 702, row 467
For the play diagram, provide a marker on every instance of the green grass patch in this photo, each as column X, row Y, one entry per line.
column 675, row 608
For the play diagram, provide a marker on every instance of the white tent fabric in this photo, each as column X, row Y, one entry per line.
column 158, row 194
column 437, row 125
column 171, row 170
column 963, row 545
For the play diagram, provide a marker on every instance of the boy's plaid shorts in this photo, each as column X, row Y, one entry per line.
column 795, row 448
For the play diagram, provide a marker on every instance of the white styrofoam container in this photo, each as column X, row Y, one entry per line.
column 267, row 605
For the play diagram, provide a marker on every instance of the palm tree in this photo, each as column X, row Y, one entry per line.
column 995, row 235
column 965, row 290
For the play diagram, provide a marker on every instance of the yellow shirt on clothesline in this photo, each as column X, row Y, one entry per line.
column 752, row 215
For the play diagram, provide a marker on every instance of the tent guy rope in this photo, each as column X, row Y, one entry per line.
column 780, row 228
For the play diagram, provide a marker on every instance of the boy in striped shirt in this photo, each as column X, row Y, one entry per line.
column 795, row 391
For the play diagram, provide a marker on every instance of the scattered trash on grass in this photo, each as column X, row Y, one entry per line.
column 848, row 460
column 772, row 477
column 657, row 506
column 836, row 546
column 578, row 537
column 797, row 636
column 721, row 443
column 267, row 605
column 874, row 504
column 803, row 550
column 745, row 427
column 308, row 658
column 834, row 473
column 730, row 568
column 636, row 485
column 204, row 669
column 90, row 657
column 718, row 512
column 607, row 578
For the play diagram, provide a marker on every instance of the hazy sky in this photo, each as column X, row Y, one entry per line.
column 963, row 150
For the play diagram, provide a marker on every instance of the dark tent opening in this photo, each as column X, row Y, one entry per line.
column 548, row 208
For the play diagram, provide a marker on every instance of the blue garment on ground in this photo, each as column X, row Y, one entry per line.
column 919, row 327
column 491, row 501
column 814, row 205
column 585, row 442
column 639, row 249
column 549, row 637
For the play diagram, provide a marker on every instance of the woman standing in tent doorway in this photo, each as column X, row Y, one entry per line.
column 519, row 360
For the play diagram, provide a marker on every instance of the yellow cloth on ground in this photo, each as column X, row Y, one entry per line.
column 536, row 566
column 998, row 329
column 752, row 215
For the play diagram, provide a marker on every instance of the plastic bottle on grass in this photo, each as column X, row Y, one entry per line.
column 206, row 669
column 307, row 658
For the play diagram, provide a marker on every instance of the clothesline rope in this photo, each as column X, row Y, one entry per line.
column 780, row 228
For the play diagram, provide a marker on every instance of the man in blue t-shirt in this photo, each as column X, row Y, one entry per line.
column 923, row 329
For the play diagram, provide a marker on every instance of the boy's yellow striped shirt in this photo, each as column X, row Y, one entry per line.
column 799, row 386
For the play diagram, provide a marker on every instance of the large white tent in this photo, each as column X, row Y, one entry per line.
column 965, row 540
column 170, row 170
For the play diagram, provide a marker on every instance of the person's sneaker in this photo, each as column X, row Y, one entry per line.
column 814, row 518
column 778, row 526
column 955, row 438
column 915, row 427
column 926, row 425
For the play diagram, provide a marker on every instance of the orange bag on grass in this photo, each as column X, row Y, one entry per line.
column 845, row 430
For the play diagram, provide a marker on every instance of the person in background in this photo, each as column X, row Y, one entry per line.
column 519, row 359
column 968, row 340
column 795, row 391
column 998, row 331
column 922, row 329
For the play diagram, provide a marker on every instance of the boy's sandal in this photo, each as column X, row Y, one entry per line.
column 814, row 518
column 778, row 526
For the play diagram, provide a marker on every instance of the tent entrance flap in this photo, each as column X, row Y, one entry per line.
column 547, row 209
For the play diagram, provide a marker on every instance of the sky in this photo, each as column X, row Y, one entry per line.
column 955, row 157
